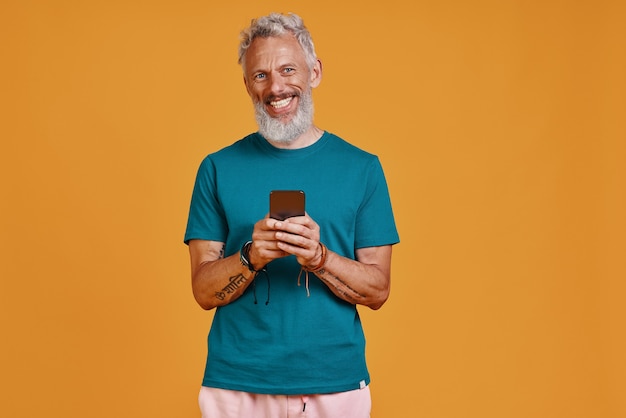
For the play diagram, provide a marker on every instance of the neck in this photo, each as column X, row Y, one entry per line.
column 309, row 137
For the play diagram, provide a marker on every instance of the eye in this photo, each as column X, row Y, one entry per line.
column 288, row 70
column 259, row 76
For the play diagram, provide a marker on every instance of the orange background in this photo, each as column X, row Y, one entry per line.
column 501, row 127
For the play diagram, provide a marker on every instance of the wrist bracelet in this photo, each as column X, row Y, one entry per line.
column 320, row 265
column 244, row 256
column 315, row 269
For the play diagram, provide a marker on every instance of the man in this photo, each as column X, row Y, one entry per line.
column 274, row 347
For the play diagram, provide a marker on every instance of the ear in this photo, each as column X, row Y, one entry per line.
column 316, row 74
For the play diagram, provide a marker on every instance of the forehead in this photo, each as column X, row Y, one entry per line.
column 274, row 50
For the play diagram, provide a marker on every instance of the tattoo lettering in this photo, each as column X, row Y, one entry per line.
column 222, row 251
column 234, row 283
column 343, row 288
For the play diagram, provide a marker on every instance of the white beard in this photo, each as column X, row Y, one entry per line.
column 276, row 130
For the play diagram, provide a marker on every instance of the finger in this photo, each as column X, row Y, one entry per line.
column 304, row 255
column 295, row 229
column 293, row 239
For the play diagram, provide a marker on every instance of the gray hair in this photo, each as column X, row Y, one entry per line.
column 277, row 24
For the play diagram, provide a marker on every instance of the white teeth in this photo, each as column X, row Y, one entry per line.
column 281, row 103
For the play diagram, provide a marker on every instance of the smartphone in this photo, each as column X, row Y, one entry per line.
column 286, row 203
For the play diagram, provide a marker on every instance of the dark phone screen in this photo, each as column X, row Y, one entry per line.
column 286, row 203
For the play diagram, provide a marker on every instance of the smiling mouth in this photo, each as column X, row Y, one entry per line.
column 279, row 104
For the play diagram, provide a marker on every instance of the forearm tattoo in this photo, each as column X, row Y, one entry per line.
column 338, row 284
column 234, row 283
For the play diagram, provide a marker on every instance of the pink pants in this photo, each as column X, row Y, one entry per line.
column 220, row 403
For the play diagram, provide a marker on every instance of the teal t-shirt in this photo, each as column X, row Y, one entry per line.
column 294, row 344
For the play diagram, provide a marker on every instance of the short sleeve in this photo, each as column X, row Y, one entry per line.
column 375, row 223
column 206, row 216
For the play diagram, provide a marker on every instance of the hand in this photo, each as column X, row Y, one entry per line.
column 299, row 236
column 264, row 246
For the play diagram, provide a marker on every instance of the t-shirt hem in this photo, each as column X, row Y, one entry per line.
column 288, row 391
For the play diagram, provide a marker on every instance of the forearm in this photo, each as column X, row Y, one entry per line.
column 219, row 282
column 355, row 281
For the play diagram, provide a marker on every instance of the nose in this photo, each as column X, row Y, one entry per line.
column 277, row 84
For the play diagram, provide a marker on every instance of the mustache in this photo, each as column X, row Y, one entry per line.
column 274, row 98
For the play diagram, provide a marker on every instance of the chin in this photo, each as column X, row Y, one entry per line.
column 286, row 128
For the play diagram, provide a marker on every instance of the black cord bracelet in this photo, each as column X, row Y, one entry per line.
column 244, row 257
